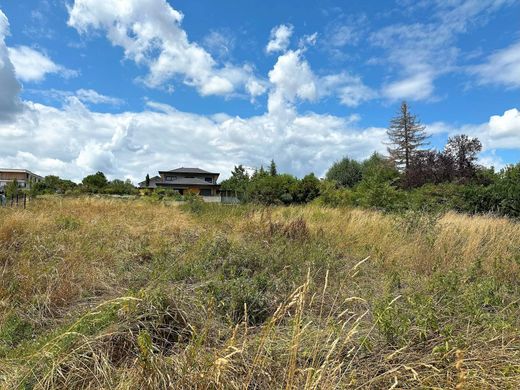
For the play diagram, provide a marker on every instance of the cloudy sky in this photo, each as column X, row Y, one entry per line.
column 129, row 87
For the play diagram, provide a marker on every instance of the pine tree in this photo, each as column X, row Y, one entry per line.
column 407, row 135
column 147, row 180
column 272, row 169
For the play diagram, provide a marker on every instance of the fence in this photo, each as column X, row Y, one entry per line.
column 231, row 196
column 18, row 200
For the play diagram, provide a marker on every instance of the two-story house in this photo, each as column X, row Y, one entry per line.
column 186, row 180
column 23, row 177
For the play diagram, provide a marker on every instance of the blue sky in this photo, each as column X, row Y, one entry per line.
column 130, row 87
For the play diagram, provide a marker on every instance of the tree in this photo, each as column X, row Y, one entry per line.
column 306, row 189
column 272, row 169
column 379, row 168
column 12, row 188
column 346, row 172
column 407, row 135
column 268, row 189
column 463, row 150
column 147, row 180
column 95, row 182
column 119, row 187
column 52, row 184
column 238, row 181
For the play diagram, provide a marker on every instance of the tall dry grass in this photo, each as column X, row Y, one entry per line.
column 111, row 294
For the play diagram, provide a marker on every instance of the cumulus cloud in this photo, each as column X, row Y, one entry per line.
column 150, row 33
column 499, row 132
column 293, row 79
column 280, row 38
column 75, row 141
column 32, row 65
column 10, row 88
column 501, row 68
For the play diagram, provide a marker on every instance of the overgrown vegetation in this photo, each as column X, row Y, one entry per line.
column 130, row 294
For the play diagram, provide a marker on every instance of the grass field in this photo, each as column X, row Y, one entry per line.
column 115, row 294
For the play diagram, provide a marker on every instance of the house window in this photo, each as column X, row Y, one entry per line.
column 209, row 179
column 171, row 178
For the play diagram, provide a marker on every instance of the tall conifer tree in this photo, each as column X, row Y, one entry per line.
column 406, row 135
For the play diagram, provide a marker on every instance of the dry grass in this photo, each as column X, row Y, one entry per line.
column 112, row 294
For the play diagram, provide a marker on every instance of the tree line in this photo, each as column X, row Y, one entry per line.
column 96, row 183
column 411, row 176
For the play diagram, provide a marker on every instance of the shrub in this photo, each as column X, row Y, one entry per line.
column 346, row 172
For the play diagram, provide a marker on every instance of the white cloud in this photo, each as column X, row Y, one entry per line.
column 418, row 86
column 32, row 65
column 499, row 132
column 10, row 88
column 502, row 68
column 219, row 43
column 350, row 89
column 91, row 96
column 150, row 33
column 422, row 52
column 280, row 38
column 293, row 79
column 75, row 141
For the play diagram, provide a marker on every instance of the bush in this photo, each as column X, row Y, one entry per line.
column 272, row 190
column 346, row 172
column 331, row 195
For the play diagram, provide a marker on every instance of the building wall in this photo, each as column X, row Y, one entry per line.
column 24, row 179
column 13, row 176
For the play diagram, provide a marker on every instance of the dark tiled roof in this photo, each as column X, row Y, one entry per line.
column 184, row 181
column 189, row 170
column 153, row 181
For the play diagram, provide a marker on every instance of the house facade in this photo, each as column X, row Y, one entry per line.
column 23, row 177
column 186, row 180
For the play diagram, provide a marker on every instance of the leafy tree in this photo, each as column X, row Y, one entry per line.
column 95, row 182
column 238, row 181
column 12, row 188
column 502, row 197
column 306, row 189
column 463, row 150
column 406, row 136
column 272, row 189
column 272, row 168
column 119, row 187
column 346, row 172
column 51, row 185
column 259, row 173
column 379, row 167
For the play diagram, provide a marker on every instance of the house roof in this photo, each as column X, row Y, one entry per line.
column 185, row 181
column 153, row 181
column 190, row 170
column 14, row 170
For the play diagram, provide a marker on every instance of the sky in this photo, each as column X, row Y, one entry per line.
column 131, row 87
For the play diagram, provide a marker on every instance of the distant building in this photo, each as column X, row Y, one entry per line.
column 23, row 177
column 186, row 180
